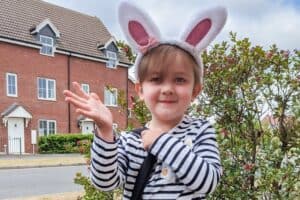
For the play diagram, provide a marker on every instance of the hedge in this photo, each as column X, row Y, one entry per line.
column 64, row 143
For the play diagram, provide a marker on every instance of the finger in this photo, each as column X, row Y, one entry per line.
column 85, row 113
column 79, row 91
column 95, row 96
column 78, row 103
column 71, row 95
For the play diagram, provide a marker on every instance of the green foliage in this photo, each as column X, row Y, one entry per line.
column 91, row 193
column 260, row 157
column 140, row 110
column 64, row 143
column 127, row 50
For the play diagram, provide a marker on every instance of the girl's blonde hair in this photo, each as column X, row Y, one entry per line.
column 162, row 56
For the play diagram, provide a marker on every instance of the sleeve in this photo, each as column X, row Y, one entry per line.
column 198, row 168
column 108, row 164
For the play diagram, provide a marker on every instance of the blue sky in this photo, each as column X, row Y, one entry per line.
column 265, row 22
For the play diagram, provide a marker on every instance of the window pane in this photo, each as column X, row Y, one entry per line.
column 51, row 127
column 43, row 128
column 50, row 89
column 85, row 88
column 47, row 45
column 11, row 84
column 110, row 97
column 106, row 97
column 114, row 97
column 42, row 88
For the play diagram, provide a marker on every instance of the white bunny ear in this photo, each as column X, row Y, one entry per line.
column 204, row 27
column 138, row 27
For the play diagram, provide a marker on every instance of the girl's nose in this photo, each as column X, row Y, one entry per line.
column 167, row 89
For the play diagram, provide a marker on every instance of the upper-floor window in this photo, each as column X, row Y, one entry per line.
column 47, row 127
column 11, row 85
column 112, row 59
column 85, row 88
column 47, row 45
column 111, row 97
column 46, row 89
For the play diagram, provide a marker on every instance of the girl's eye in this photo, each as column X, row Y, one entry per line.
column 155, row 79
column 180, row 80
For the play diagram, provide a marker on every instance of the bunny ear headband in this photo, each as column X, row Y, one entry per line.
column 143, row 35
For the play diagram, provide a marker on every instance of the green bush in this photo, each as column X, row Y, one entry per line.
column 64, row 143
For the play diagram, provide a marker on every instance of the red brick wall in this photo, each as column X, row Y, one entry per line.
column 132, row 93
column 29, row 64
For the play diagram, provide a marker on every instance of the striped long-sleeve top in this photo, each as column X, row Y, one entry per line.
column 188, row 163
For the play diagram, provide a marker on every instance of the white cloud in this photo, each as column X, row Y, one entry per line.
column 264, row 21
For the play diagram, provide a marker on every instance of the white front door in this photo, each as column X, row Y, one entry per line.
column 15, row 135
column 87, row 127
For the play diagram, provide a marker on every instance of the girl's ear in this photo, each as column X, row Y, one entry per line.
column 204, row 27
column 138, row 27
column 139, row 90
column 196, row 91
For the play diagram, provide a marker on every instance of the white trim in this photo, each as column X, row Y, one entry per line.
column 111, row 40
column 91, row 58
column 43, row 24
column 47, row 98
column 16, row 84
column 38, row 46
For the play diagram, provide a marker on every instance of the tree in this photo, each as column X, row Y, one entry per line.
column 241, row 81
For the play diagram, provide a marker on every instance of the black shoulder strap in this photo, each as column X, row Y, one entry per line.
column 144, row 173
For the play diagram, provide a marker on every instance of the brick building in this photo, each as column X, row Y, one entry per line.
column 43, row 49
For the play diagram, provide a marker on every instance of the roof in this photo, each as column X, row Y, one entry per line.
column 78, row 32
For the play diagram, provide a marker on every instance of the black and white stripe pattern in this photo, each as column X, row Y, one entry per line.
column 188, row 165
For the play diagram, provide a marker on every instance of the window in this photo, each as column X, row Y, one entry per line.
column 47, row 127
column 110, row 96
column 130, row 115
column 85, row 88
column 115, row 126
column 11, row 85
column 46, row 89
column 112, row 59
column 47, row 45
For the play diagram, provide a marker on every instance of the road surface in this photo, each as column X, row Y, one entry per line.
column 38, row 181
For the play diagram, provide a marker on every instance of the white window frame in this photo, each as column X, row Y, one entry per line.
column 47, row 45
column 130, row 114
column 112, row 59
column 8, row 85
column 115, row 126
column 86, row 88
column 111, row 96
column 47, row 133
column 47, row 89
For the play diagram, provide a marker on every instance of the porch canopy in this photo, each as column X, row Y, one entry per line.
column 15, row 111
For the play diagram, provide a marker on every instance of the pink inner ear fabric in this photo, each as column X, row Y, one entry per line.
column 198, row 32
column 138, row 33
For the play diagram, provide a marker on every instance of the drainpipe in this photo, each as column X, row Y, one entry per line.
column 127, row 98
column 69, row 87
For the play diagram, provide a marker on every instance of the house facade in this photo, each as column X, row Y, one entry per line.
column 43, row 49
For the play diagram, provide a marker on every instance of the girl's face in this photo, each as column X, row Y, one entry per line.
column 168, row 93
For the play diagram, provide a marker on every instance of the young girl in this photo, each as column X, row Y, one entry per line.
column 169, row 75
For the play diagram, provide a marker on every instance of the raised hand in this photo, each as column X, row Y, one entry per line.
column 92, row 107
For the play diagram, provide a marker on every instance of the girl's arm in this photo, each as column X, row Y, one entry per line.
column 91, row 106
column 105, row 173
